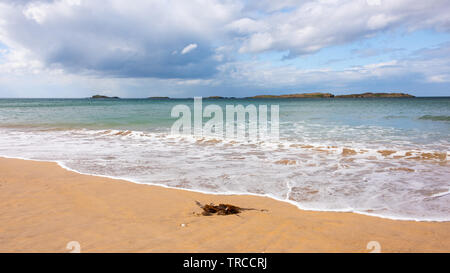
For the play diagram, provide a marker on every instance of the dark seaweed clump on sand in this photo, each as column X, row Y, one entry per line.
column 221, row 209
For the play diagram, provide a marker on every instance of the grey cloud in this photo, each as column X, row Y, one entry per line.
column 120, row 40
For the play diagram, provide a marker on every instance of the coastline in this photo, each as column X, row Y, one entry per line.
column 43, row 207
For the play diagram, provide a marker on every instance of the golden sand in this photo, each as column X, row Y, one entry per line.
column 44, row 207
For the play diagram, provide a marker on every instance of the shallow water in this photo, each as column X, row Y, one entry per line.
column 384, row 157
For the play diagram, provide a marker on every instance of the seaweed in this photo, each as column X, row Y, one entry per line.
column 221, row 209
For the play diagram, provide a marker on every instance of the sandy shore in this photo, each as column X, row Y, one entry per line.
column 43, row 207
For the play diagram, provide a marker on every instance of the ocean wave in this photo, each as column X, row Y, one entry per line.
column 387, row 181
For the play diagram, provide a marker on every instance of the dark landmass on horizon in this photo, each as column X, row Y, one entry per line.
column 290, row 96
column 376, row 95
column 103, row 97
column 158, row 98
column 329, row 95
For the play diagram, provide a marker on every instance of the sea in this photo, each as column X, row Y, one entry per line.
column 386, row 157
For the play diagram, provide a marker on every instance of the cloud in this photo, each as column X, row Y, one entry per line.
column 188, row 48
column 439, row 78
column 429, row 65
column 113, row 38
column 424, row 72
column 178, row 45
column 310, row 26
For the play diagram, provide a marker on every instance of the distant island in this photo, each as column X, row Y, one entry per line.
column 215, row 97
column 377, row 95
column 158, row 98
column 291, row 96
column 288, row 96
column 103, row 97
column 329, row 95
column 218, row 98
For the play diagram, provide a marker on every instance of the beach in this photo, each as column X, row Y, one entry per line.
column 43, row 207
column 225, row 127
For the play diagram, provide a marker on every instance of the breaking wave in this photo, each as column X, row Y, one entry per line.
column 399, row 180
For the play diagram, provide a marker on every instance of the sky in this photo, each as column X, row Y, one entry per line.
column 179, row 48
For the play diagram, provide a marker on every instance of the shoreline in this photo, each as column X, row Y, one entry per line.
column 61, row 165
column 44, row 206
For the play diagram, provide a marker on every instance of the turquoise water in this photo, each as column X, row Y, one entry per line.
column 331, row 154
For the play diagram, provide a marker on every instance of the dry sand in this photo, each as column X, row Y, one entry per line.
column 43, row 207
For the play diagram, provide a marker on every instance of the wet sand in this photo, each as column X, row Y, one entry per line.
column 43, row 207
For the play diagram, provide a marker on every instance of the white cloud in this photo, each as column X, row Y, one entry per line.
column 307, row 27
column 438, row 78
column 196, row 82
column 122, row 39
column 373, row 2
column 428, row 65
column 258, row 42
column 35, row 12
column 188, row 48
column 155, row 39
column 380, row 21
column 246, row 25
column 19, row 62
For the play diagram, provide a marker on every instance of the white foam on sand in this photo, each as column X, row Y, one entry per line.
column 304, row 172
